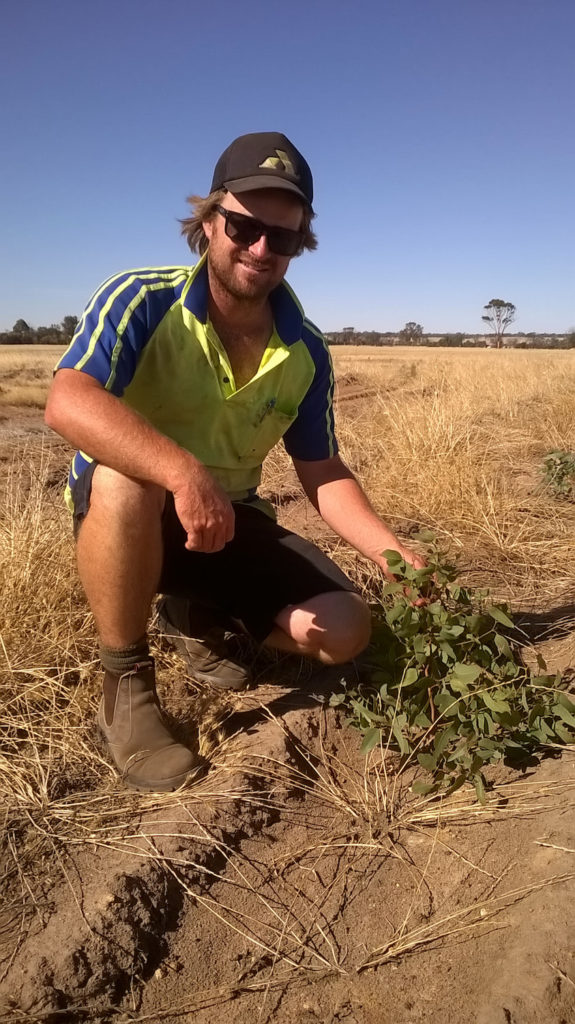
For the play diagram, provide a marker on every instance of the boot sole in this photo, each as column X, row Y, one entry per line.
column 166, row 785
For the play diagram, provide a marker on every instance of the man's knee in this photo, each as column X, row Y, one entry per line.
column 124, row 496
column 334, row 627
column 349, row 632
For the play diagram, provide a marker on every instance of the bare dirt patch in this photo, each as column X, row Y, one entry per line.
column 280, row 890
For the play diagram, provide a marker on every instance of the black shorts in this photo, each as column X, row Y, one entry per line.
column 262, row 570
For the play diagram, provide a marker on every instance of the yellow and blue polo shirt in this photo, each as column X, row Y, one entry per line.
column 146, row 337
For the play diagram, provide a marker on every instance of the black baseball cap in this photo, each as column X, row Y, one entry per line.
column 263, row 160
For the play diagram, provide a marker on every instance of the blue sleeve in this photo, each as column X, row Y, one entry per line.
column 118, row 322
column 311, row 436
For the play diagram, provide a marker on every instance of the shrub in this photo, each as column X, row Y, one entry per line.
column 558, row 473
column 448, row 688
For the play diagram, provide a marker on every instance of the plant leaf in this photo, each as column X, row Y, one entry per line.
column 423, row 788
column 428, row 761
column 466, row 673
column 499, row 615
column 370, row 740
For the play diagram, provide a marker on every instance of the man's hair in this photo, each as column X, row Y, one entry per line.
column 205, row 209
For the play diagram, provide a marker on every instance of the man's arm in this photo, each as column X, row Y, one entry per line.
column 341, row 502
column 95, row 421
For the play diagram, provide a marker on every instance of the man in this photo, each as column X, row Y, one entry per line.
column 175, row 387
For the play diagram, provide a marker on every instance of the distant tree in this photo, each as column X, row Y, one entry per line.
column 499, row 316
column 69, row 325
column 49, row 335
column 411, row 334
column 21, row 327
column 570, row 338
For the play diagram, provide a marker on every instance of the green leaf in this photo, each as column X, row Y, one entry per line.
column 499, row 615
column 543, row 732
column 563, row 733
column 475, row 624
column 395, row 613
column 411, row 676
column 510, row 719
column 443, row 739
column 364, row 712
column 458, row 686
column 451, row 632
column 480, row 789
column 503, row 646
column 447, row 649
column 487, row 744
column 446, row 703
column 336, row 699
column 393, row 558
column 466, row 673
column 563, row 713
column 428, row 761
column 544, row 682
column 493, row 703
column 485, row 723
column 370, row 740
column 402, row 741
column 419, row 644
column 392, row 588
column 422, row 720
column 423, row 788
column 458, row 782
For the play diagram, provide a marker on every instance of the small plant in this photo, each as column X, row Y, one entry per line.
column 558, row 473
column 448, row 687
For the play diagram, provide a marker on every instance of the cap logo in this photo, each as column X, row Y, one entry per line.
column 280, row 162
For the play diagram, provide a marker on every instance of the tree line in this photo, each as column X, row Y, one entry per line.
column 349, row 336
column 499, row 315
column 56, row 334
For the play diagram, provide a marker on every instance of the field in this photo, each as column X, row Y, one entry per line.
column 298, row 881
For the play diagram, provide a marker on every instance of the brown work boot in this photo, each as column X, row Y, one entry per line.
column 212, row 651
column 146, row 754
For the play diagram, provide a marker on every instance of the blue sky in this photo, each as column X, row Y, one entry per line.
column 440, row 134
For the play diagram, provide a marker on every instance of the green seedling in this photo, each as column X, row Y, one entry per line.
column 447, row 686
column 558, row 472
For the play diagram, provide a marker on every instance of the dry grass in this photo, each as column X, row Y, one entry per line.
column 451, row 440
column 454, row 442
column 25, row 374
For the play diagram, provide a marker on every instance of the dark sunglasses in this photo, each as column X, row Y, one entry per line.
column 247, row 230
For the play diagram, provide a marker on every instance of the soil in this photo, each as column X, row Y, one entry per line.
column 297, row 883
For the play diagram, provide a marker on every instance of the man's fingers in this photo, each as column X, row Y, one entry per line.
column 230, row 525
column 206, row 514
column 205, row 540
column 211, row 537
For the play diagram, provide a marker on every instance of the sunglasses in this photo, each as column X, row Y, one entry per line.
column 247, row 230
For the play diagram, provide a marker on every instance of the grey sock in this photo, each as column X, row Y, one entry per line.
column 116, row 661
column 119, row 660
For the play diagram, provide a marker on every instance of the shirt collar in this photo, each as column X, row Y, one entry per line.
column 287, row 312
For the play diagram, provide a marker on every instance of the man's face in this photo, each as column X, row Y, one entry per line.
column 251, row 272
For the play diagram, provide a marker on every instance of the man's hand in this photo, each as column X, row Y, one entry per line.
column 205, row 512
column 411, row 557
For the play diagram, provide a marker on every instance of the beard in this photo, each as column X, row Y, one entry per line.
column 241, row 285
